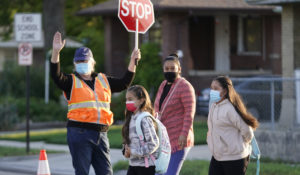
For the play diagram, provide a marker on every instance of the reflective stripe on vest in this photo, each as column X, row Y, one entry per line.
column 77, row 83
column 100, row 77
column 89, row 104
column 94, row 103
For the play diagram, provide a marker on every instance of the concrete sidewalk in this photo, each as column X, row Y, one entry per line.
column 61, row 164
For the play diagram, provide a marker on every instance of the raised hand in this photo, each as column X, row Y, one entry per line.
column 136, row 55
column 58, row 44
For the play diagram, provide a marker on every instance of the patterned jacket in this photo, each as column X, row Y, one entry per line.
column 138, row 152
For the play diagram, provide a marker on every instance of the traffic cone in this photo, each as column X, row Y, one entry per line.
column 43, row 168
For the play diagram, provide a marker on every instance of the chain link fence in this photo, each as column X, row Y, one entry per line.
column 263, row 96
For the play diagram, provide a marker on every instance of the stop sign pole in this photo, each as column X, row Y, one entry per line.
column 136, row 43
column 137, row 16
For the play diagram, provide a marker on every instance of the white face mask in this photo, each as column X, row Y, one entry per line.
column 214, row 96
column 83, row 68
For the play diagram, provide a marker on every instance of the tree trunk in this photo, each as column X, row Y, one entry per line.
column 53, row 20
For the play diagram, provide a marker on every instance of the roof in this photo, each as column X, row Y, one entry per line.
column 110, row 7
column 38, row 44
column 273, row 2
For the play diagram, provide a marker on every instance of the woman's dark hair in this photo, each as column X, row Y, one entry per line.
column 236, row 101
column 172, row 57
column 140, row 93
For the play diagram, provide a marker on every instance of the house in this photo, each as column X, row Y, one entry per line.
column 9, row 51
column 282, row 143
column 216, row 37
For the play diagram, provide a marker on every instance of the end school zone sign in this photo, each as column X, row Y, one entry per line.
column 28, row 27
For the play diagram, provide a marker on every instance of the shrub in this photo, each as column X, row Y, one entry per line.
column 149, row 71
column 118, row 106
column 39, row 111
column 8, row 115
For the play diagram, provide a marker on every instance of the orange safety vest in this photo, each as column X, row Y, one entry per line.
column 90, row 106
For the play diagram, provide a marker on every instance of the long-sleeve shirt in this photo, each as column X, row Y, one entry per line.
column 178, row 114
column 151, row 141
column 64, row 82
column 228, row 136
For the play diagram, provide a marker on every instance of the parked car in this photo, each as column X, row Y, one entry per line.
column 255, row 94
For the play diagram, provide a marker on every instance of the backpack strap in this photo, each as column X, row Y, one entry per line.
column 138, row 124
column 257, row 154
column 141, row 135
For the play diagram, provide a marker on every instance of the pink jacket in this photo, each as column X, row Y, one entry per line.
column 179, row 113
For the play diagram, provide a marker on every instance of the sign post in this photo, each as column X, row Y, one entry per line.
column 27, row 29
column 137, row 16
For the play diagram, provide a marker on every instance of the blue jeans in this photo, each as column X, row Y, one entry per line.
column 89, row 147
column 176, row 161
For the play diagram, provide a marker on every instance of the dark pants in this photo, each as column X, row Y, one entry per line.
column 89, row 147
column 234, row 167
column 138, row 170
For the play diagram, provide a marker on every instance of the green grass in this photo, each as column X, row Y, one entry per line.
column 11, row 151
column 200, row 131
column 199, row 167
column 58, row 136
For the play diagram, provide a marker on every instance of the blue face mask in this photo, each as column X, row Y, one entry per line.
column 83, row 68
column 214, row 96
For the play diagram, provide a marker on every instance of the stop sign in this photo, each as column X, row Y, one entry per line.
column 130, row 10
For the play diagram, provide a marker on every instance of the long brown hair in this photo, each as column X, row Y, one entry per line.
column 236, row 101
column 140, row 93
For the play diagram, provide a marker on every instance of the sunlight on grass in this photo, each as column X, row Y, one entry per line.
column 59, row 136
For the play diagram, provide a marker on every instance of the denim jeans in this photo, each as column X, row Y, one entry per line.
column 89, row 147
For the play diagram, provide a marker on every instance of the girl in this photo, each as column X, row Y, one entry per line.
column 175, row 102
column 230, row 130
column 137, row 101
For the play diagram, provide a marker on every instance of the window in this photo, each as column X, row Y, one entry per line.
column 250, row 35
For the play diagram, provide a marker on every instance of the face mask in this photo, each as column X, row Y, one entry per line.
column 214, row 96
column 171, row 76
column 83, row 68
column 130, row 106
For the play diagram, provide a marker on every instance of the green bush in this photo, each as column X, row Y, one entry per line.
column 8, row 115
column 39, row 111
column 118, row 106
column 149, row 71
column 13, row 82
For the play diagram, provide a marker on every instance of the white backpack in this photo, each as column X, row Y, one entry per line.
column 164, row 149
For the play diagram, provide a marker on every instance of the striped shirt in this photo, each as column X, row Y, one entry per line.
column 178, row 114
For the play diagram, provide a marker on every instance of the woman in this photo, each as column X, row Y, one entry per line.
column 89, row 115
column 175, row 104
column 230, row 130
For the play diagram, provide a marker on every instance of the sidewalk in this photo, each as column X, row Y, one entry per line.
column 61, row 163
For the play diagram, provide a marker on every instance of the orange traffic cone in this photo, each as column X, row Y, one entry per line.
column 43, row 168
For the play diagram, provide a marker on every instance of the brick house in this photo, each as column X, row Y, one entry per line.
column 282, row 143
column 216, row 37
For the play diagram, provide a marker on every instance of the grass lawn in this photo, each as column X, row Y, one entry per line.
column 58, row 136
column 199, row 167
column 11, row 151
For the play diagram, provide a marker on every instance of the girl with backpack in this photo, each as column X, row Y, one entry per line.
column 139, row 153
column 230, row 129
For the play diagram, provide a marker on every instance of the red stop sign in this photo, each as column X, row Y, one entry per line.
column 130, row 10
